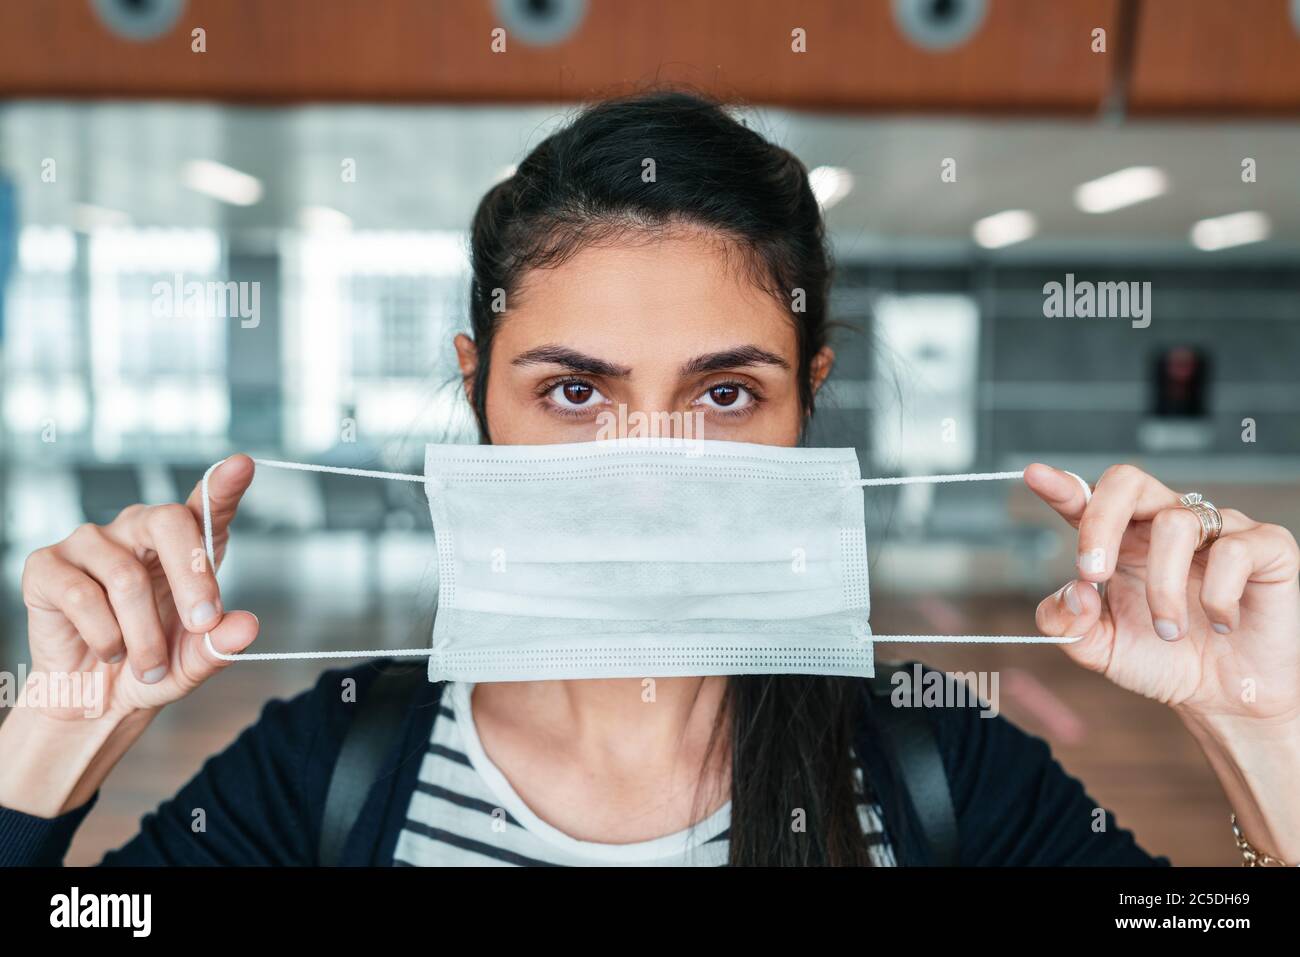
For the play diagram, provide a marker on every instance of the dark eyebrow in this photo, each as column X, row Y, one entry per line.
column 572, row 360
column 732, row 359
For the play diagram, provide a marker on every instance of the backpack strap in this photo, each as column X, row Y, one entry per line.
column 913, row 748
column 367, row 742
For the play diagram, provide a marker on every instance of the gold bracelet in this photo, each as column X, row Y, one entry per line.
column 1251, row 857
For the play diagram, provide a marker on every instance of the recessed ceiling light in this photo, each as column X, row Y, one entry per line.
column 222, row 182
column 830, row 184
column 1235, row 229
column 1126, row 187
column 1005, row 228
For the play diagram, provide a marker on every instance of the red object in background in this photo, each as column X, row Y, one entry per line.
column 1181, row 375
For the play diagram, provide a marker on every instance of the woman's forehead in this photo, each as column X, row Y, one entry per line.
column 679, row 295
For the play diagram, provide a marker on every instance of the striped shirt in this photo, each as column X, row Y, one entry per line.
column 463, row 812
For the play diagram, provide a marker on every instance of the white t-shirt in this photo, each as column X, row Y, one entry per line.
column 464, row 812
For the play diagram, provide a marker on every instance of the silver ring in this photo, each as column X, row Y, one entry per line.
column 1210, row 517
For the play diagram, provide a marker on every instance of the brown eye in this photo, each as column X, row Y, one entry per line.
column 574, row 395
column 578, row 392
column 724, row 395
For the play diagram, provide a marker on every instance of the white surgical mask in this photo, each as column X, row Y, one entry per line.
column 645, row 558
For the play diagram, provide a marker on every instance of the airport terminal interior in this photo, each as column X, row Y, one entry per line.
column 341, row 229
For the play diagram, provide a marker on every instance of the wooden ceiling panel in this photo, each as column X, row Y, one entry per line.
column 1028, row 55
column 1216, row 56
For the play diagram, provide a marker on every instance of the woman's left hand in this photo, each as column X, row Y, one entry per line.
column 1215, row 634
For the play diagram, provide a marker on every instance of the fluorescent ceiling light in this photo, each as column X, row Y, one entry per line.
column 1126, row 187
column 222, row 182
column 323, row 219
column 1235, row 229
column 830, row 184
column 1005, row 228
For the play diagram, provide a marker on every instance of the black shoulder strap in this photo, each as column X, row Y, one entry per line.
column 379, row 714
column 914, row 750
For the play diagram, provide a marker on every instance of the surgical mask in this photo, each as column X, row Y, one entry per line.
column 641, row 558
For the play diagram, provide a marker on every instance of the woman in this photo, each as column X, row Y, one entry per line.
column 650, row 255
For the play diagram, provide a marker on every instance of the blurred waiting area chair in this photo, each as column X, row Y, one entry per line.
column 104, row 490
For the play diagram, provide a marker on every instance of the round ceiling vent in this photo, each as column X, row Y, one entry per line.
column 540, row 23
column 138, row 19
column 939, row 24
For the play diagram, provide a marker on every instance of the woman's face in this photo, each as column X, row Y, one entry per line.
column 669, row 325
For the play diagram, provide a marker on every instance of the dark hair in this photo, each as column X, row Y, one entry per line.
column 791, row 735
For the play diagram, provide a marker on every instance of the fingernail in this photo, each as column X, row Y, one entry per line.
column 1221, row 629
column 1166, row 629
column 1072, row 600
column 203, row 613
column 1093, row 561
column 117, row 657
column 154, row 675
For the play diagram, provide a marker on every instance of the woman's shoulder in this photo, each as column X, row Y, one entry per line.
column 296, row 738
column 1013, row 800
column 394, row 693
column 264, row 796
column 339, row 689
column 340, row 694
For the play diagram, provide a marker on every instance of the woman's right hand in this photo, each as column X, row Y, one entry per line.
column 133, row 598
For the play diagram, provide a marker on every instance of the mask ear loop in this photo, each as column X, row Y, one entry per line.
column 967, row 639
column 1087, row 497
column 212, row 563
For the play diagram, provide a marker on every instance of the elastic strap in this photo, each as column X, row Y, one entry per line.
column 212, row 563
column 938, row 479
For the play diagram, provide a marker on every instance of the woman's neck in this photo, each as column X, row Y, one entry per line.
column 637, row 746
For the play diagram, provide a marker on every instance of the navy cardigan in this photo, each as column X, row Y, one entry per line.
column 264, row 795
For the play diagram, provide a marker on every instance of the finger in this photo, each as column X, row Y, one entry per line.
column 172, row 533
column 1175, row 533
column 1123, row 493
column 130, row 593
column 1261, row 553
column 1064, row 491
column 1075, row 611
column 234, row 634
column 226, row 487
column 53, row 586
